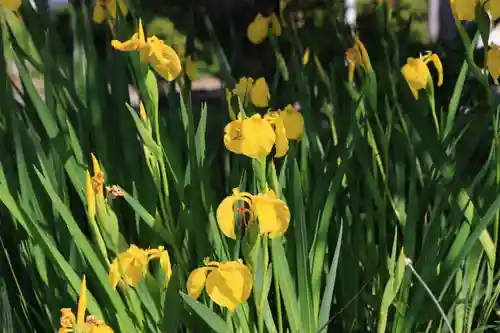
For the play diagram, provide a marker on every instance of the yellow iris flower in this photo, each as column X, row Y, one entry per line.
column 258, row 29
column 465, row 10
column 10, row 4
column 305, row 57
column 357, row 56
column 255, row 91
column 106, row 9
column 273, row 214
column 162, row 57
column 417, row 74
column 253, row 137
column 493, row 62
column 132, row 265
column 70, row 323
column 228, row 283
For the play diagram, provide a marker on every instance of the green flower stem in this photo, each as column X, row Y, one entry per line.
column 259, row 169
column 98, row 239
column 265, row 247
column 278, row 299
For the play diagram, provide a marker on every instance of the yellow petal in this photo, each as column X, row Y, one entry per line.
column 233, row 136
column 293, row 122
column 257, row 30
column 90, row 195
column 196, row 281
column 260, row 93
column 493, row 62
column 258, row 137
column 416, row 74
column 102, row 328
column 225, row 216
column 99, row 14
column 164, row 59
column 281, row 143
column 11, row 4
column 130, row 45
column 494, row 7
column 95, row 164
column 464, row 10
column 275, row 25
column 111, row 8
column 229, row 285
column 439, row 67
column 82, row 303
column 166, row 266
column 305, row 57
column 273, row 214
column 243, row 89
column 114, row 274
column 130, row 266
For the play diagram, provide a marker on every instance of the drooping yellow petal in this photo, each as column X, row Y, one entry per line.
column 196, row 281
column 260, row 93
column 130, row 45
column 273, row 214
column 258, row 137
column 225, row 216
column 464, row 10
column 439, row 67
column 275, row 25
column 493, row 62
column 281, row 143
column 164, row 59
column 82, row 303
column 233, row 136
column 416, row 74
column 99, row 14
column 90, row 195
column 166, row 266
column 293, row 122
column 243, row 89
column 494, row 7
column 258, row 29
column 229, row 285
column 10, row 4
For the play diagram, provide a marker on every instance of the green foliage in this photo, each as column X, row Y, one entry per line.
column 394, row 201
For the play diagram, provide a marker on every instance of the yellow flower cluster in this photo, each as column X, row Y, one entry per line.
column 154, row 51
column 228, row 283
column 132, row 265
column 258, row 29
column 72, row 323
column 256, row 136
